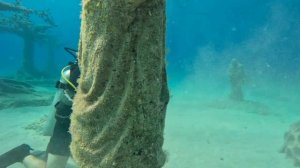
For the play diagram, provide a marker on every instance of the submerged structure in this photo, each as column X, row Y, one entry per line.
column 4, row 6
column 120, row 107
column 20, row 24
column 237, row 80
column 291, row 146
column 15, row 94
column 16, row 19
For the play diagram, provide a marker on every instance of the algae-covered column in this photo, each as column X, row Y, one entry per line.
column 120, row 106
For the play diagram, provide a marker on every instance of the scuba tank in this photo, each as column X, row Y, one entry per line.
column 66, row 89
column 50, row 123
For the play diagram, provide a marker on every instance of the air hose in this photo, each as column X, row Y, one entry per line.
column 67, row 80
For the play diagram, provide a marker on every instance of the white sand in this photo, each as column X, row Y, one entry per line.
column 203, row 137
column 13, row 132
column 201, row 133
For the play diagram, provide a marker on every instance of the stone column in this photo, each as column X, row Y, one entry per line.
column 120, row 107
column 28, row 69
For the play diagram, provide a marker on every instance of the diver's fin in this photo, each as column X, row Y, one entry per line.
column 17, row 154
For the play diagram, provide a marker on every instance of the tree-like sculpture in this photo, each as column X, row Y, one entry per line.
column 20, row 24
column 120, row 106
column 237, row 80
column 4, row 6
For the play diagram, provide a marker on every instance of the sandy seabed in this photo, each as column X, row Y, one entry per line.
column 203, row 129
column 206, row 130
column 24, row 125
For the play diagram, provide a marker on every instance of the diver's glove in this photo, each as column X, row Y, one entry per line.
column 17, row 154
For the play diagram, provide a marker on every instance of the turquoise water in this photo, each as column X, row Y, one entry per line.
column 204, row 128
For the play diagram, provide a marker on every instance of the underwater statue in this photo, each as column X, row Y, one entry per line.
column 291, row 146
column 237, row 80
column 120, row 105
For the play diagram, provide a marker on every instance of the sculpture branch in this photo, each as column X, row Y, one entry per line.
column 4, row 6
column 11, row 30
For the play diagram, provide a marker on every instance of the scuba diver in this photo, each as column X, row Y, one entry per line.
column 58, row 151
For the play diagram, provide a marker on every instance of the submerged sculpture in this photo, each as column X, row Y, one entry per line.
column 4, row 6
column 9, row 86
column 291, row 146
column 120, row 106
column 21, row 24
column 15, row 94
column 237, row 80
